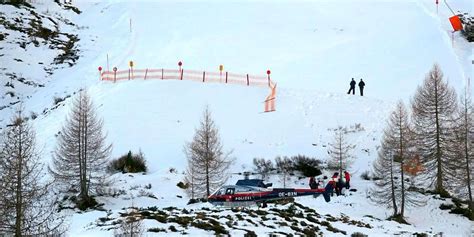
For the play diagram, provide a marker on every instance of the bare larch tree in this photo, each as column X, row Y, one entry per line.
column 27, row 207
column 433, row 105
column 340, row 151
column 398, row 149
column 463, row 149
column 205, row 154
column 79, row 160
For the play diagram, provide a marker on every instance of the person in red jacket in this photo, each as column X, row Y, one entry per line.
column 347, row 176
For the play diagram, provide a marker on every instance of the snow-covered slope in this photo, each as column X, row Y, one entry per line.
column 313, row 50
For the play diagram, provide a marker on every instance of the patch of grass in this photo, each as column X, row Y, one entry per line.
column 217, row 228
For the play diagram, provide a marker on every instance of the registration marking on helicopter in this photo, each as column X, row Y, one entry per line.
column 288, row 194
column 244, row 198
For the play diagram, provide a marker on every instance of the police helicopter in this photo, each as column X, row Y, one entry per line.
column 249, row 192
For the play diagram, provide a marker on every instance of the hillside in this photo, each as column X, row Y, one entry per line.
column 313, row 50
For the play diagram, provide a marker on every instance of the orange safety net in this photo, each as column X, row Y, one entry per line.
column 270, row 101
column 199, row 76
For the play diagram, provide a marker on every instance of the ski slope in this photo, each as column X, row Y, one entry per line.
column 313, row 50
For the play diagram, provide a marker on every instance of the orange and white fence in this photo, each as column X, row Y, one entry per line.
column 193, row 75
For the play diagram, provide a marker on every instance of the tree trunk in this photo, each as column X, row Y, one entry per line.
column 19, row 198
column 439, row 175
column 402, row 159
column 466, row 154
column 395, row 209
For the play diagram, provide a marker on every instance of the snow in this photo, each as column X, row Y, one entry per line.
column 313, row 50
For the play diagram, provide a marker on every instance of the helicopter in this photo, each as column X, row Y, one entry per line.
column 249, row 192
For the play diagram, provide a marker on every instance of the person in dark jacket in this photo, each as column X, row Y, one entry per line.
column 312, row 183
column 347, row 176
column 353, row 85
column 361, row 87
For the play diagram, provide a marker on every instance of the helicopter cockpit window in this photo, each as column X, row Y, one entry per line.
column 230, row 191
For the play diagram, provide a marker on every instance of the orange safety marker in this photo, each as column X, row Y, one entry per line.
column 455, row 23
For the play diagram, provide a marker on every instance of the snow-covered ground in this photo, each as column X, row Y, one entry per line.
column 313, row 50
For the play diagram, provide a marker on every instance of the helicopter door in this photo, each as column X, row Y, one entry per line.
column 230, row 191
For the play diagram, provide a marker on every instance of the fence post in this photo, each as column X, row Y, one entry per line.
column 182, row 72
column 100, row 73
column 268, row 73
column 129, row 74
column 248, row 83
column 203, row 76
column 225, row 77
column 115, row 74
column 162, row 72
column 146, row 72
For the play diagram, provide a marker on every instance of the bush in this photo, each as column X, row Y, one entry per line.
column 358, row 234
column 129, row 163
column 57, row 100
column 309, row 167
column 262, row 166
column 182, row 185
column 365, row 175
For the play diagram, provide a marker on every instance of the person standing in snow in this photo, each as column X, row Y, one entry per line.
column 361, row 87
column 334, row 182
column 348, row 179
column 352, row 84
column 312, row 183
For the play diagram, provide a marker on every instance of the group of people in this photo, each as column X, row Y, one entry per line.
column 353, row 84
column 336, row 182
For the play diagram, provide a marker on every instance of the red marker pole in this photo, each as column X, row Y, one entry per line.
column 268, row 74
column 115, row 74
column 100, row 73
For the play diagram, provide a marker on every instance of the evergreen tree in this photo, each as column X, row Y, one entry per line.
column 433, row 106
column 79, row 161
column 27, row 207
column 207, row 162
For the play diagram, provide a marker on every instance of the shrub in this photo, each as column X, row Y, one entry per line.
column 58, row 100
column 262, row 166
column 33, row 115
column 358, row 234
column 129, row 163
column 307, row 166
column 182, row 185
column 365, row 175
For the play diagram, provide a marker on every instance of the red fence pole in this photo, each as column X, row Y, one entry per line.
column 203, row 76
column 268, row 73
column 162, row 72
column 115, row 74
column 225, row 77
column 129, row 74
column 146, row 71
column 100, row 73
column 182, row 74
column 248, row 83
